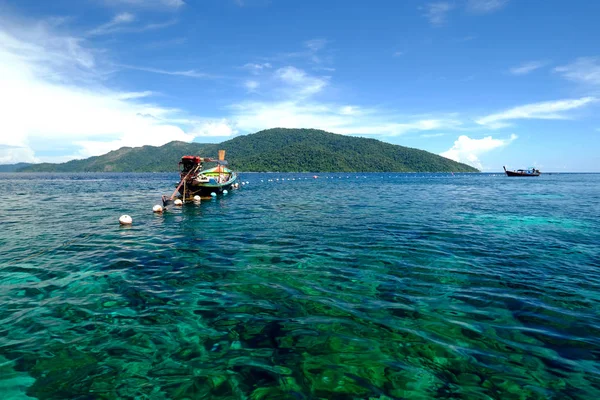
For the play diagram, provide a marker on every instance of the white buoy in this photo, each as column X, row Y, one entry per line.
column 225, row 192
column 243, row 183
column 213, row 194
column 178, row 202
column 157, row 209
column 247, row 182
column 125, row 220
column 197, row 199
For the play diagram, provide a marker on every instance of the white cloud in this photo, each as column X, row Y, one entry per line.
column 527, row 67
column 49, row 94
column 300, row 83
column 349, row 110
column 113, row 24
column 165, row 4
column 314, row 51
column 53, row 92
column 257, row 68
column 191, row 73
column 57, row 58
column 16, row 154
column 221, row 127
column 134, row 95
column 485, row 6
column 346, row 120
column 123, row 18
column 251, row 86
column 543, row 110
column 152, row 26
column 315, row 44
column 468, row 151
column 437, row 12
column 314, row 48
column 583, row 70
column 398, row 53
column 122, row 23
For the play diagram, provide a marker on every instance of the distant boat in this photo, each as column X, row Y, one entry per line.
column 194, row 181
column 523, row 172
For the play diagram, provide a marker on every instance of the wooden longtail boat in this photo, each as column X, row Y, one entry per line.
column 196, row 181
column 523, row 172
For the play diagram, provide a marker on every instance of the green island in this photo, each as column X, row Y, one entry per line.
column 273, row 150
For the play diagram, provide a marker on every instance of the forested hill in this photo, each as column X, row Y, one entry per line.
column 276, row 150
column 13, row 167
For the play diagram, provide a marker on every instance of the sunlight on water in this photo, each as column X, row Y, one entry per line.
column 381, row 286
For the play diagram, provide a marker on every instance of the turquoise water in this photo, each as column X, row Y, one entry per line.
column 353, row 286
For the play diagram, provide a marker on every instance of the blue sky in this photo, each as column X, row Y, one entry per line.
column 486, row 82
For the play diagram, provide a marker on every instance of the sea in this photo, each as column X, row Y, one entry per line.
column 344, row 286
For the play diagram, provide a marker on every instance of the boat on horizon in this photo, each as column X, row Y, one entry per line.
column 523, row 172
column 196, row 181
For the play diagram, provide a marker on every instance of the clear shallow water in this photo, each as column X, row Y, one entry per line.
column 385, row 287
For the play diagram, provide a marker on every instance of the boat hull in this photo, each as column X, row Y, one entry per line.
column 205, row 190
column 522, row 172
column 512, row 173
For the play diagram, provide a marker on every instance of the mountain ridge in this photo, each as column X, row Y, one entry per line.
column 13, row 167
column 273, row 150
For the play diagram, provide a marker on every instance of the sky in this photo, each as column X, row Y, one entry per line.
column 485, row 82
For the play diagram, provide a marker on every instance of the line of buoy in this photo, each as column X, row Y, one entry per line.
column 158, row 209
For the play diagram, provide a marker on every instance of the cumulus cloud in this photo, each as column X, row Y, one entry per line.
column 345, row 120
column 300, row 83
column 52, row 91
column 468, row 150
column 49, row 94
column 220, row 127
column 543, row 110
column 583, row 70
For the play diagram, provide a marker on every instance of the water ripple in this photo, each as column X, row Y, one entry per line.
column 349, row 286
